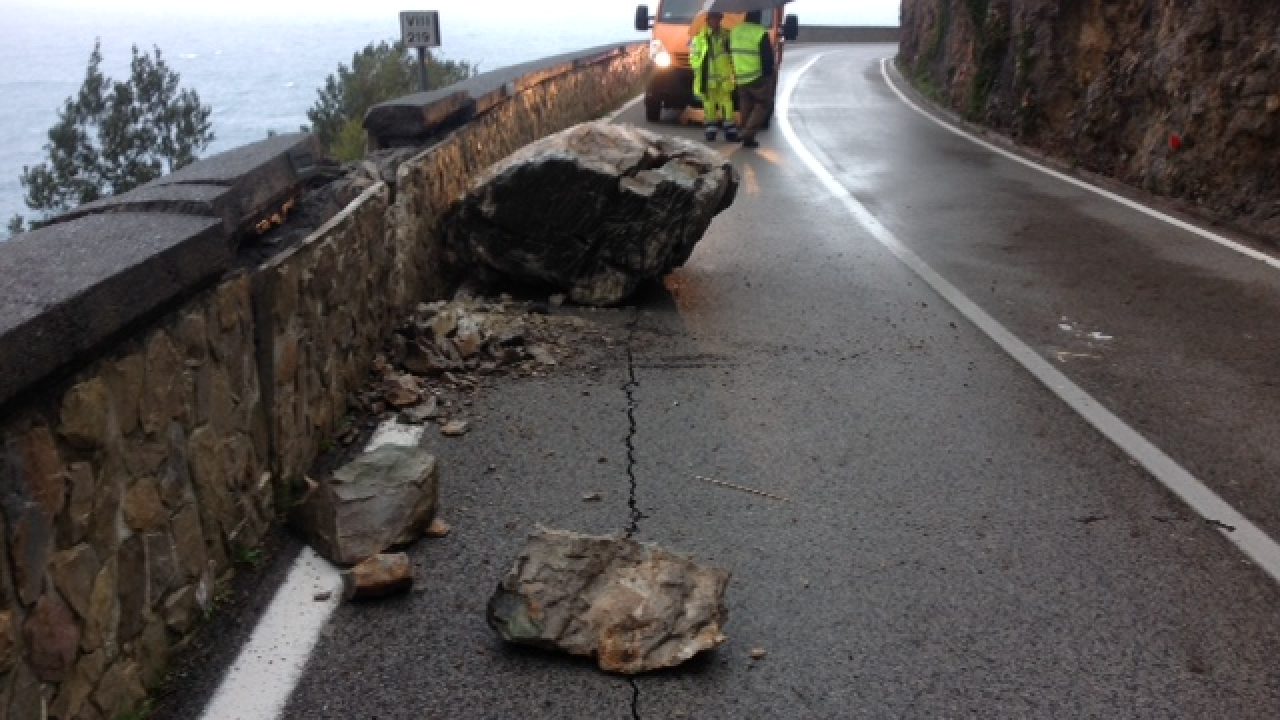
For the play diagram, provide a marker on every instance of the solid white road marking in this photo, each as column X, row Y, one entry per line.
column 269, row 666
column 1255, row 544
column 1131, row 204
column 611, row 117
column 263, row 676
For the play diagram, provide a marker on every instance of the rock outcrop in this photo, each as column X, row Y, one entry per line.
column 594, row 210
column 633, row 607
column 1178, row 97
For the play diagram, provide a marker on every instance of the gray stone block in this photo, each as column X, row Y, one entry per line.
column 413, row 118
column 201, row 200
column 416, row 118
column 70, row 286
column 239, row 187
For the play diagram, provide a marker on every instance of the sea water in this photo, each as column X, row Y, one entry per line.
column 259, row 63
column 259, row 73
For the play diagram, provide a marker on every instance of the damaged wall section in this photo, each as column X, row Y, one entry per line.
column 141, row 454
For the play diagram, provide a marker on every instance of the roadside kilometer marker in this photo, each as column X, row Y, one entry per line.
column 1254, row 543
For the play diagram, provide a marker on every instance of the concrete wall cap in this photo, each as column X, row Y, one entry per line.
column 68, row 287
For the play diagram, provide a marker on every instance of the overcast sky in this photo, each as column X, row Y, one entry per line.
column 831, row 12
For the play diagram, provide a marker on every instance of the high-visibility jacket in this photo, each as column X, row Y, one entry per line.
column 709, row 57
column 745, row 41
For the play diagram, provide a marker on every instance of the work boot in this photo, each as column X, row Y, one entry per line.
column 731, row 133
column 711, row 133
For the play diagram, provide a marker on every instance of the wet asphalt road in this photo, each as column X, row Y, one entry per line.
column 954, row 541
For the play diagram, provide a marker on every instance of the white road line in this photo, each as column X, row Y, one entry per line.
column 1255, row 544
column 1131, row 204
column 263, row 676
column 611, row 117
column 269, row 666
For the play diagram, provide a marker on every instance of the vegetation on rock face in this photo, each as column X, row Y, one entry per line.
column 377, row 73
column 114, row 136
column 992, row 47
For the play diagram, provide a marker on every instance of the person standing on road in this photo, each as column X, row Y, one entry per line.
column 713, row 77
column 753, row 68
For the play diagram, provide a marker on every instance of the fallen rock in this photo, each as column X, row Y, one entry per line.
column 384, row 498
column 429, row 409
column 468, row 337
column 438, row 529
column 379, row 576
column 542, row 355
column 633, row 607
column 402, row 391
column 594, row 210
column 455, row 428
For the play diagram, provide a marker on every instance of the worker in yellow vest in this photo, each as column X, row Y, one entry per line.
column 753, row 69
column 713, row 77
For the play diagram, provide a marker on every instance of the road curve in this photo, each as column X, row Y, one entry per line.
column 946, row 536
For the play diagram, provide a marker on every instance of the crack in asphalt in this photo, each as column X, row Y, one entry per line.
column 634, row 526
column 635, row 699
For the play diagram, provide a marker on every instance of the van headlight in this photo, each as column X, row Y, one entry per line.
column 658, row 53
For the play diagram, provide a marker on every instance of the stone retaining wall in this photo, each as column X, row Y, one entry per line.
column 147, row 449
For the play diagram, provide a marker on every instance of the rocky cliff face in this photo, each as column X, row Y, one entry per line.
column 1178, row 97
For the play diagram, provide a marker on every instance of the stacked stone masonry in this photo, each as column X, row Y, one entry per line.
column 131, row 482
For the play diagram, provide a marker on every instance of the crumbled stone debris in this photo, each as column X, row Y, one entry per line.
column 444, row 353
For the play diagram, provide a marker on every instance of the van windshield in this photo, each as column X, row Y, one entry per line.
column 679, row 11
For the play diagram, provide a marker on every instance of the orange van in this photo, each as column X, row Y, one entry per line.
column 674, row 26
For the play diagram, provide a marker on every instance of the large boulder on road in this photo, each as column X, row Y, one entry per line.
column 633, row 607
column 593, row 210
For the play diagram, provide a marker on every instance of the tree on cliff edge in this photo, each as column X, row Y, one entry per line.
column 114, row 136
column 378, row 73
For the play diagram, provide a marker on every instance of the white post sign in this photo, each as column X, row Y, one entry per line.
column 420, row 29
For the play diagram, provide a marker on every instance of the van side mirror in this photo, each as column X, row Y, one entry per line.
column 791, row 27
column 642, row 18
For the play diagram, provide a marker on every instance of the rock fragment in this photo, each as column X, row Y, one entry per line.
column 428, row 409
column 455, row 428
column 633, row 607
column 379, row 576
column 402, row 391
column 382, row 499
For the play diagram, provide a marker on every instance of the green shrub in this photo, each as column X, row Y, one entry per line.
column 377, row 73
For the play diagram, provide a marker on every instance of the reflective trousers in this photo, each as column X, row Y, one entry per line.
column 717, row 103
